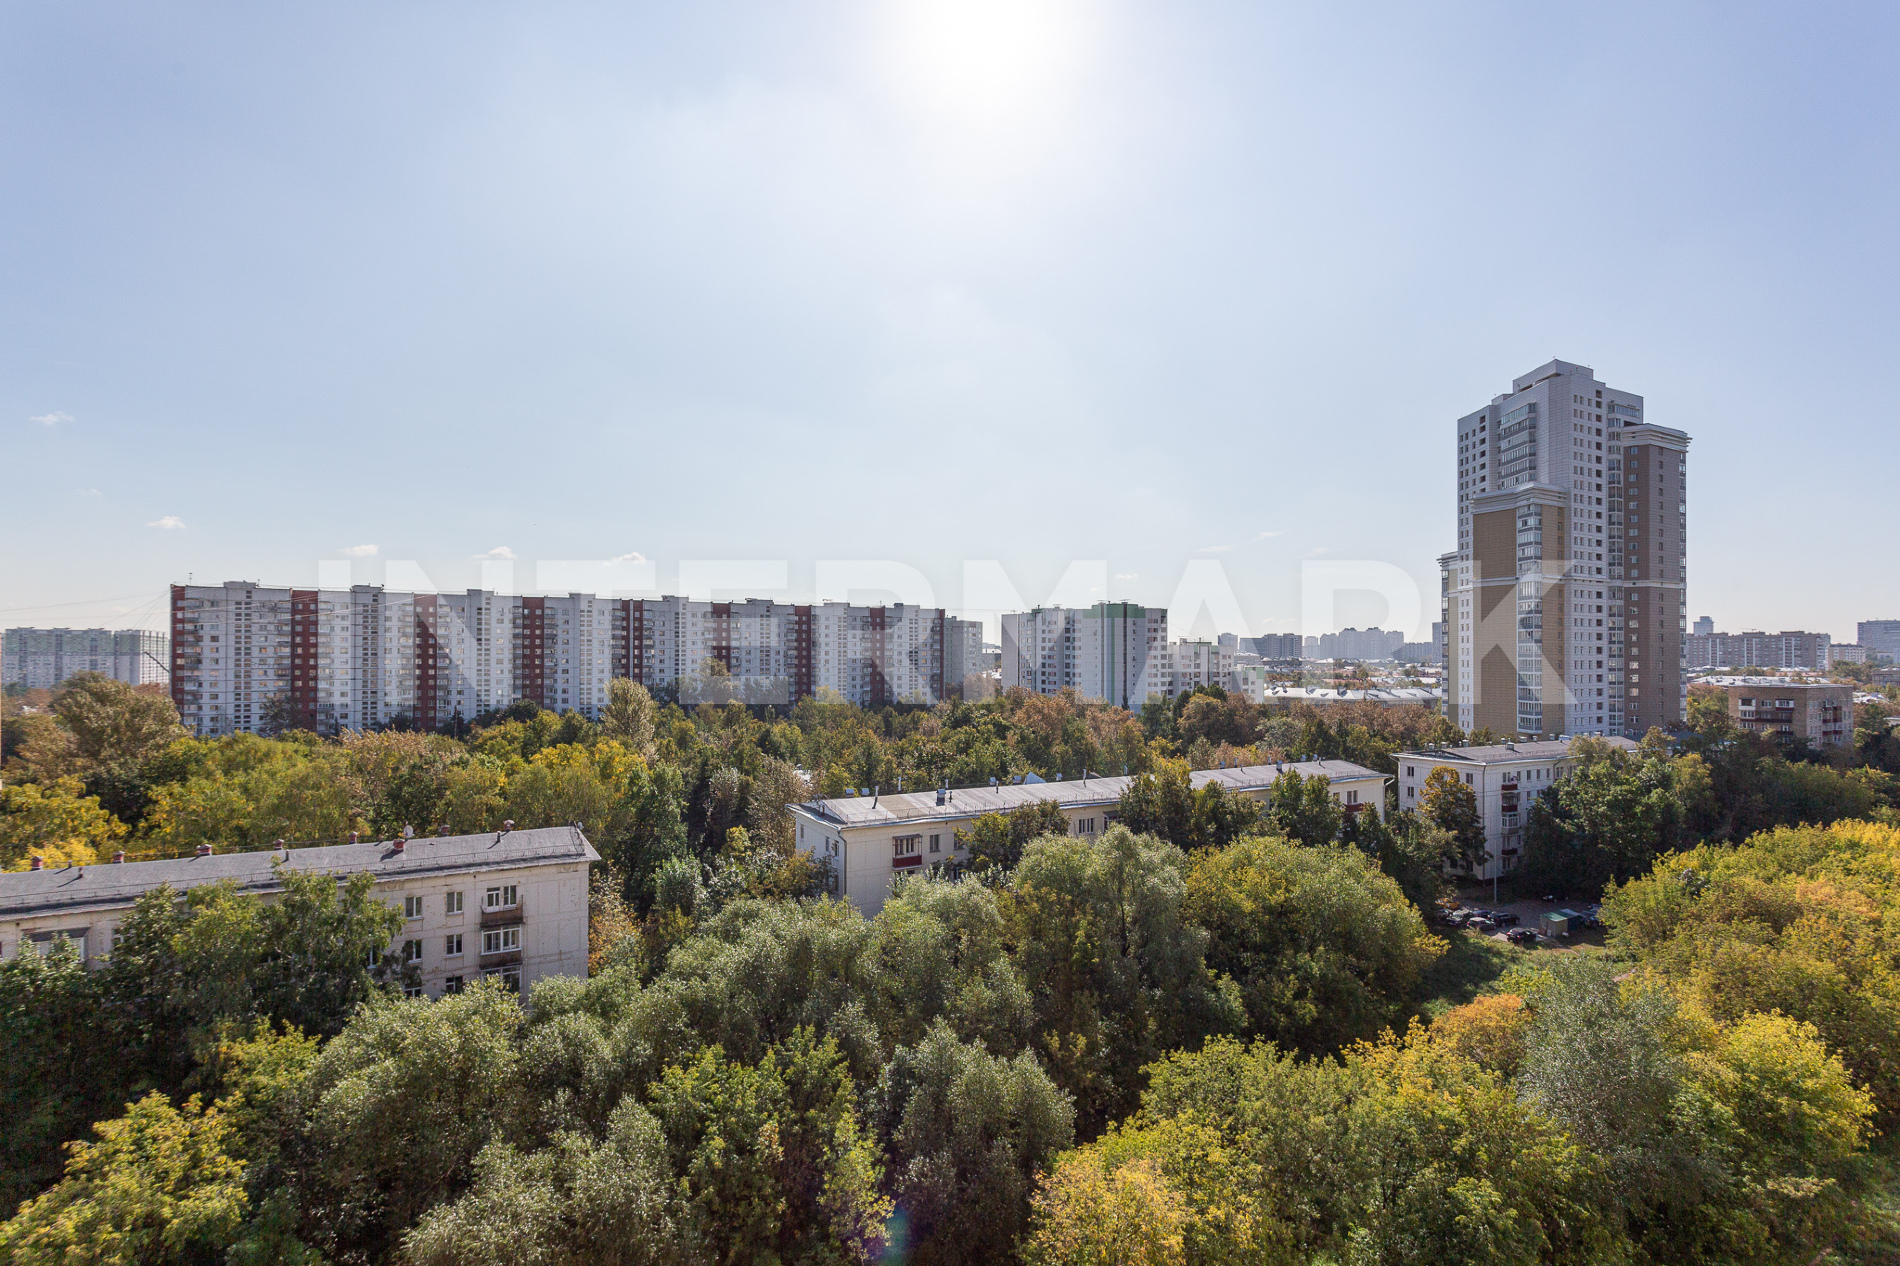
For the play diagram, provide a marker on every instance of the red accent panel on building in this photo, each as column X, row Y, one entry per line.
column 423, row 664
column 880, row 684
column 802, row 675
column 531, row 678
column 303, row 657
column 178, row 690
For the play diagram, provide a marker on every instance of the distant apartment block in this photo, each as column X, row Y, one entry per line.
column 1563, row 603
column 1880, row 635
column 366, row 656
column 1788, row 649
column 1273, row 646
column 1821, row 712
column 1115, row 651
column 40, row 659
column 1371, row 643
column 1844, row 653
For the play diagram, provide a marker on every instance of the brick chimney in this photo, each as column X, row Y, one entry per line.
column 508, row 825
column 204, row 850
column 397, row 843
column 354, row 835
column 119, row 856
column 39, row 863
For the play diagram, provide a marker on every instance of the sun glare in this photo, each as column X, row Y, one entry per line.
column 986, row 63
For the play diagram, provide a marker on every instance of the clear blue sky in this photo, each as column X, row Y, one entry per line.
column 927, row 282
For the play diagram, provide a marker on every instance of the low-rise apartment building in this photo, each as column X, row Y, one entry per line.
column 1504, row 777
column 1821, row 712
column 41, row 659
column 506, row 904
column 868, row 841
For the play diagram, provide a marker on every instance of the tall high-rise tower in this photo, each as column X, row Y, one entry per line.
column 1564, row 606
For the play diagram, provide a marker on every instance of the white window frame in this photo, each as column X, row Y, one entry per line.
column 501, row 897
column 452, row 945
column 412, row 907
column 452, row 903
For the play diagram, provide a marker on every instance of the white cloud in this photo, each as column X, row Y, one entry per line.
column 360, row 551
column 635, row 557
column 50, row 419
column 169, row 523
column 90, row 492
column 1264, row 535
column 500, row 551
column 1127, row 575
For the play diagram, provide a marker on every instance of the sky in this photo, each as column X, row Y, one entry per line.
column 965, row 301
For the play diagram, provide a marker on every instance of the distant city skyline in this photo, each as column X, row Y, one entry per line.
column 924, row 283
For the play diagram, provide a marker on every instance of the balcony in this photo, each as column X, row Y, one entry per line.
column 501, row 917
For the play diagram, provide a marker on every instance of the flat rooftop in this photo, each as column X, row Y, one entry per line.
column 109, row 885
column 1507, row 753
column 922, row 806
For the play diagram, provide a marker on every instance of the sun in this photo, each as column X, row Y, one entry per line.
column 984, row 63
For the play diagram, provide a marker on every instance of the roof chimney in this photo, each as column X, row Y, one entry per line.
column 508, row 824
column 39, row 863
column 396, row 844
column 119, row 856
column 204, row 850
column 442, row 831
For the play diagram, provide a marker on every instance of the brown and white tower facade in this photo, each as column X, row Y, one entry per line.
column 1564, row 604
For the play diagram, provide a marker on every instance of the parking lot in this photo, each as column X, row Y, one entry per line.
column 1529, row 914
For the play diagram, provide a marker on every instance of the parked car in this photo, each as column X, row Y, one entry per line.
column 1521, row 936
column 1503, row 917
column 1455, row 918
column 1478, row 923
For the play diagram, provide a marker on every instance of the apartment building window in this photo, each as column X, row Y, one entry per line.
column 936, row 843
column 452, row 945
column 412, row 907
column 906, row 845
column 1352, row 797
column 452, row 904
column 501, row 898
column 501, row 940
column 412, row 991
column 452, row 985
column 412, row 951
column 509, row 976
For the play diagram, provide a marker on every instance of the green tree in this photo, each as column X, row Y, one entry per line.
column 1450, row 805
column 1101, row 934
column 1608, row 819
column 160, row 1186
column 113, row 723
column 628, row 717
column 966, row 1135
column 607, row 1204
column 1325, row 950
column 1304, row 809
column 1399, row 1152
column 773, row 1158
column 996, row 840
column 1160, row 803
column 402, row 1101
column 55, row 822
column 63, row 1067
